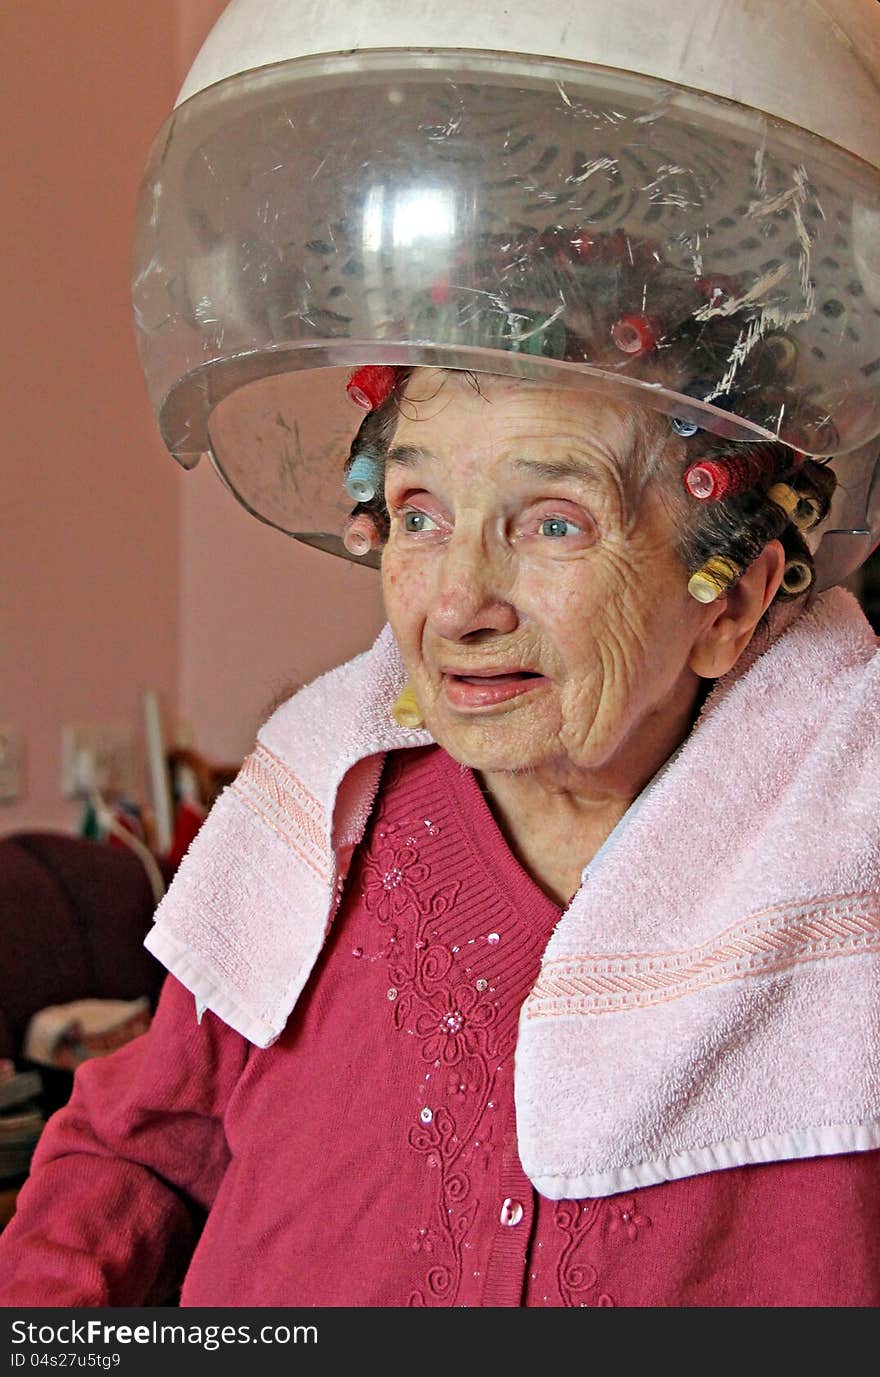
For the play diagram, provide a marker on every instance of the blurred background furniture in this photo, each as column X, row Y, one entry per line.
column 73, row 917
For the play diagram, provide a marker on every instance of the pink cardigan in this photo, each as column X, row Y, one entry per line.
column 709, row 997
column 369, row 1155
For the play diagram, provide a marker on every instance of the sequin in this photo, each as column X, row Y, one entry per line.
column 482, row 985
column 357, row 951
column 426, row 1115
column 392, row 993
column 493, row 939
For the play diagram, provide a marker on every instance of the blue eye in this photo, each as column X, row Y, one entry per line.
column 414, row 521
column 557, row 526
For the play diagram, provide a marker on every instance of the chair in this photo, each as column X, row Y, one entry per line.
column 73, row 917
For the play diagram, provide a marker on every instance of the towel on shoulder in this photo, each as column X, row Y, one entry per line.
column 711, row 996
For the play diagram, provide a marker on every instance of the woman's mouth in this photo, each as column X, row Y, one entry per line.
column 490, row 687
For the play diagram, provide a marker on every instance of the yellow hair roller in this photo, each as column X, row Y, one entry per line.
column 406, row 711
column 713, row 578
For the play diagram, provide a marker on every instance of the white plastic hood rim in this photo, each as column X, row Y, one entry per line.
column 814, row 63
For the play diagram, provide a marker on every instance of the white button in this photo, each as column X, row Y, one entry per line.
column 511, row 1212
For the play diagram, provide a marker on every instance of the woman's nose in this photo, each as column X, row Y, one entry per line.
column 472, row 591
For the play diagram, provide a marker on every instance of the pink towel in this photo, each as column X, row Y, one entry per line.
column 710, row 996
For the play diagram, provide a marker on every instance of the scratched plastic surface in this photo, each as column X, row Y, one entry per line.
column 541, row 219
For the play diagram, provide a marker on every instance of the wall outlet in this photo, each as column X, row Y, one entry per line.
column 10, row 765
column 96, row 757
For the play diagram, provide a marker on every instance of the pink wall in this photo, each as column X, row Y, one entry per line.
column 260, row 615
column 117, row 571
column 89, row 569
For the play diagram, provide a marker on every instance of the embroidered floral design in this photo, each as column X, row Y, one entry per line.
column 576, row 1220
column 625, row 1217
column 396, row 875
column 423, row 1240
column 458, row 1085
column 438, row 1002
column 452, row 1026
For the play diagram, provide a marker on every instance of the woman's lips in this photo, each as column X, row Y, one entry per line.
column 484, row 690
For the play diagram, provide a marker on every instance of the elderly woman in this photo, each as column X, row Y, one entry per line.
column 533, row 950
column 688, row 1021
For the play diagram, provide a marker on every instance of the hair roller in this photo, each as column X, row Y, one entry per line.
column 361, row 534
column 637, row 333
column 365, row 476
column 797, row 577
column 805, row 495
column 713, row 578
column 406, row 711
column 816, row 482
column 371, row 385
column 734, row 535
column 722, row 476
column 798, row 509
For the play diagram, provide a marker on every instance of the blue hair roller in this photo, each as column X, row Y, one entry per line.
column 365, row 477
column 683, row 427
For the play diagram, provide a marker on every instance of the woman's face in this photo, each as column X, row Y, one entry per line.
column 542, row 623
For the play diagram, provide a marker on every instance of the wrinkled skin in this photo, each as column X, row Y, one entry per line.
column 489, row 564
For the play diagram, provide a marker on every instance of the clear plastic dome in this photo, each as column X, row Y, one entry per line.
column 529, row 217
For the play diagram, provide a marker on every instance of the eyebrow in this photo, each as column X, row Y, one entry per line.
column 558, row 468
column 409, row 456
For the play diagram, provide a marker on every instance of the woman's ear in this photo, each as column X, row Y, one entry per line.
column 733, row 618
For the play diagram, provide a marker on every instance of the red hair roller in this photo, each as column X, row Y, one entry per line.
column 711, row 480
column 719, row 286
column 636, row 334
column 369, row 387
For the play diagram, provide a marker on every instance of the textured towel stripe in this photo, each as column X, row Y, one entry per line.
column 294, row 784
column 846, row 925
column 278, row 803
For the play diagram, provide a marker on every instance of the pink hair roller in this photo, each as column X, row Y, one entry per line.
column 360, row 535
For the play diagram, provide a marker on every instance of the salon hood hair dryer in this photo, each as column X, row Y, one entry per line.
column 676, row 204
